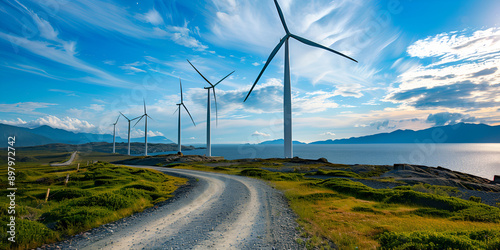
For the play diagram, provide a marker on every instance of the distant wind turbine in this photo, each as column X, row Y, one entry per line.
column 287, row 98
column 179, row 123
column 114, row 130
column 129, row 120
column 145, row 129
column 212, row 86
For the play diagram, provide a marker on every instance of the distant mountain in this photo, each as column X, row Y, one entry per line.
column 24, row 136
column 46, row 134
column 458, row 133
column 104, row 147
column 280, row 141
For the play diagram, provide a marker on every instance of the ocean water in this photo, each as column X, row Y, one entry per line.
column 481, row 159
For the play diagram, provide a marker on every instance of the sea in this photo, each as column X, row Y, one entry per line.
column 480, row 159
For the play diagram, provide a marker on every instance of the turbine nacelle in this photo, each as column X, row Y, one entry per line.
column 212, row 86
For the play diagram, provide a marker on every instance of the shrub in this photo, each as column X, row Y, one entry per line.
column 338, row 173
column 268, row 175
column 460, row 209
column 141, row 186
column 475, row 199
column 425, row 240
column 432, row 212
column 485, row 239
column 108, row 200
column 64, row 194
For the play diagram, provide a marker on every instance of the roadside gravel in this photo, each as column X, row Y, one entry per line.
column 213, row 211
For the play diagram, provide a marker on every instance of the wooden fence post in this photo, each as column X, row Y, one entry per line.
column 47, row 196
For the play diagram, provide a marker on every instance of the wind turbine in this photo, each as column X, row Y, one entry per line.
column 179, row 123
column 114, row 130
column 129, row 120
column 145, row 129
column 287, row 98
column 212, row 86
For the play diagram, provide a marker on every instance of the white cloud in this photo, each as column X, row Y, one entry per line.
column 255, row 64
column 328, row 133
column 463, row 71
column 17, row 122
column 64, row 54
column 345, row 26
column 155, row 133
column 349, row 90
column 97, row 107
column 257, row 133
column 181, row 36
column 25, row 107
column 66, row 123
column 151, row 16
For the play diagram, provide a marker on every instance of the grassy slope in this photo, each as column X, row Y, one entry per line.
column 95, row 195
column 332, row 211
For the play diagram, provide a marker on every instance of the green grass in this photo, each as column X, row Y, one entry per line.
column 354, row 216
column 95, row 195
column 337, row 173
column 459, row 209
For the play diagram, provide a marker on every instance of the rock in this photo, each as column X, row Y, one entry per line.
column 322, row 159
column 496, row 179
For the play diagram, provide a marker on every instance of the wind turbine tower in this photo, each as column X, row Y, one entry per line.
column 212, row 86
column 114, row 130
column 179, row 121
column 145, row 127
column 287, row 98
column 129, row 120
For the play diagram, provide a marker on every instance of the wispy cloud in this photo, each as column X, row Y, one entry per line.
column 254, row 26
column 463, row 72
column 50, row 46
column 25, row 107
column 257, row 133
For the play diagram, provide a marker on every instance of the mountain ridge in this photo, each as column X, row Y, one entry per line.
column 457, row 133
column 45, row 135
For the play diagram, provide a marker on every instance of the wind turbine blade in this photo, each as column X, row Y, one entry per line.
column 125, row 116
column 150, row 117
column 117, row 119
column 144, row 100
column 138, row 120
column 311, row 43
column 216, row 115
column 200, row 73
column 223, row 79
column 188, row 114
column 180, row 83
column 271, row 56
column 282, row 17
column 176, row 110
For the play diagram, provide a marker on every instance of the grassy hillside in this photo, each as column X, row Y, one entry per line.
column 345, row 214
column 95, row 195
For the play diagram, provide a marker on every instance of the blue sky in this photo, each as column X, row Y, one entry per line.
column 76, row 64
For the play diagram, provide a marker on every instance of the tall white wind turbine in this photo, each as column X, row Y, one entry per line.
column 287, row 98
column 129, row 120
column 145, row 127
column 179, row 122
column 114, row 130
column 212, row 86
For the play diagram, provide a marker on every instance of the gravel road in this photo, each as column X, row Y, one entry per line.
column 214, row 211
column 66, row 163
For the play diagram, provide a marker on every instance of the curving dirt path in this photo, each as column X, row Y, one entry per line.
column 217, row 211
